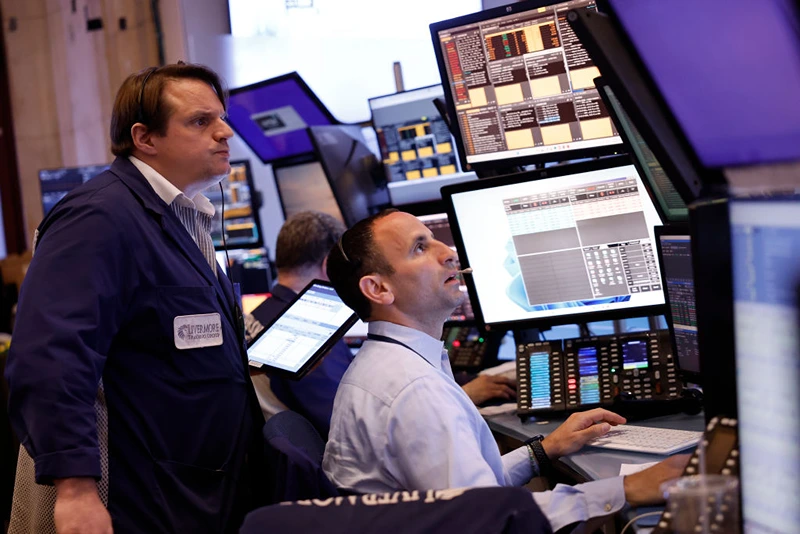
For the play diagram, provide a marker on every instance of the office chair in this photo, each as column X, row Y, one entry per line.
column 293, row 452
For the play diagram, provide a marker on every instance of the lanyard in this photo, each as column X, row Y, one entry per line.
column 387, row 339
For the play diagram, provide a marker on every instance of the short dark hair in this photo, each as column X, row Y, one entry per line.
column 357, row 257
column 305, row 240
column 140, row 99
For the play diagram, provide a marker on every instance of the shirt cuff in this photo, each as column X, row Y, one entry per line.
column 67, row 464
column 518, row 468
column 565, row 505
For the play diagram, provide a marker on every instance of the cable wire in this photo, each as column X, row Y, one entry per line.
column 637, row 518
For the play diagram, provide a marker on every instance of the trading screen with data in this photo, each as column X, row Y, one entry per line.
column 241, row 222
column 560, row 247
column 413, row 137
column 676, row 255
column 522, row 85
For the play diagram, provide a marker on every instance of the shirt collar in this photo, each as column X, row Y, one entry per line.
column 428, row 347
column 167, row 191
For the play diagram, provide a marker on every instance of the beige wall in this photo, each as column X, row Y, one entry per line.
column 63, row 79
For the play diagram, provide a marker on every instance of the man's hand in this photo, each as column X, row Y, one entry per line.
column 79, row 509
column 486, row 387
column 642, row 488
column 579, row 429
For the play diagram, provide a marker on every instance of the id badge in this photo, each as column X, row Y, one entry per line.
column 197, row 331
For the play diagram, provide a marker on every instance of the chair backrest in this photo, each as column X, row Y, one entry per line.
column 293, row 450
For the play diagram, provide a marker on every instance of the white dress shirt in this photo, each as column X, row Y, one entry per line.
column 400, row 422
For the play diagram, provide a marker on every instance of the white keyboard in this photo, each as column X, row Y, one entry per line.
column 645, row 439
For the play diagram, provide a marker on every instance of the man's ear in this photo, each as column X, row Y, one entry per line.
column 143, row 139
column 376, row 290
column 324, row 269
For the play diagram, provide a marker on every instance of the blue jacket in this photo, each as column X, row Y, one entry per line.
column 311, row 396
column 112, row 270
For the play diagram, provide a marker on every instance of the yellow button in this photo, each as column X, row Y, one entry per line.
column 608, row 507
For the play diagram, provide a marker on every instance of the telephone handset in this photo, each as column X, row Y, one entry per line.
column 721, row 450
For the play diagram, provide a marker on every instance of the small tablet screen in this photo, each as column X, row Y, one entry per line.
column 303, row 332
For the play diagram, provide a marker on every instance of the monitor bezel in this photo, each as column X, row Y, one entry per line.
column 603, row 89
column 667, row 230
column 318, row 354
column 501, row 164
column 254, row 207
column 294, row 76
column 710, row 178
column 551, row 172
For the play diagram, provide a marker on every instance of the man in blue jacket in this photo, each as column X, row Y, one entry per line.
column 128, row 381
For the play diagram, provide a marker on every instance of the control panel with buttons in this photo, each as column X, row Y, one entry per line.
column 595, row 371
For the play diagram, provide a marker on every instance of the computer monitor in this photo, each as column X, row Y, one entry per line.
column 570, row 244
column 734, row 98
column 414, row 139
column 353, row 171
column 304, row 186
column 250, row 268
column 56, row 183
column 519, row 86
column 439, row 225
column 631, row 86
column 675, row 257
column 242, row 226
column 668, row 200
column 765, row 241
column 272, row 117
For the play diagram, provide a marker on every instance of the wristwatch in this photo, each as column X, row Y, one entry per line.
column 539, row 460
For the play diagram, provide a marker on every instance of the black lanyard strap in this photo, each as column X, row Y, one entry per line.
column 387, row 339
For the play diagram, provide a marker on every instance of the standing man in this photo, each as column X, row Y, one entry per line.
column 128, row 381
column 400, row 422
column 301, row 255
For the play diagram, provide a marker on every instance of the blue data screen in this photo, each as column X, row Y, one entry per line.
column 634, row 355
column 589, row 379
column 540, row 379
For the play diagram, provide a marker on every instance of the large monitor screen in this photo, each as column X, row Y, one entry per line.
column 439, row 225
column 413, row 137
column 56, row 183
column 566, row 245
column 669, row 200
column 272, row 116
column 728, row 71
column 304, row 187
column 675, row 253
column 520, row 85
column 765, row 242
column 241, row 224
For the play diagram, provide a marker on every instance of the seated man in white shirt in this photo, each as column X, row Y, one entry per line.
column 400, row 422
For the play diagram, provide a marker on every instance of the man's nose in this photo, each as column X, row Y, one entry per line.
column 224, row 131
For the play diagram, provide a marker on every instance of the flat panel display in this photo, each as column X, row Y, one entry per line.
column 567, row 245
column 765, row 242
column 414, row 139
column 303, row 332
column 241, row 225
column 519, row 85
column 56, row 183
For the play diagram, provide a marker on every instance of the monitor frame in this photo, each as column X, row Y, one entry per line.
column 502, row 164
column 291, row 76
column 530, row 176
column 255, row 204
column 597, row 38
column 603, row 88
column 666, row 230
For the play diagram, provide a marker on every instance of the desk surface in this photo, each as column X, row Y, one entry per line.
column 593, row 463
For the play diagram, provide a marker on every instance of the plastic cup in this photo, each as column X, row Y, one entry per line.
column 702, row 504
